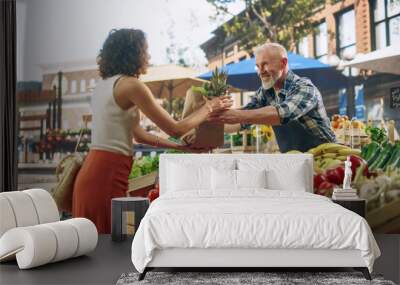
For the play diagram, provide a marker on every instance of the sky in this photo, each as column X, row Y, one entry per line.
column 57, row 31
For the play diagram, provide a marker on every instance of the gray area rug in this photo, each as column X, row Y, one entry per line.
column 230, row 278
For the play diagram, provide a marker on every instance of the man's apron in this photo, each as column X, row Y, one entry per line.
column 294, row 136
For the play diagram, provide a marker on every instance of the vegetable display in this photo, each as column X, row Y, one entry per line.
column 143, row 166
column 375, row 168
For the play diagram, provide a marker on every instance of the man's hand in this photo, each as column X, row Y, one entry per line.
column 219, row 104
column 227, row 117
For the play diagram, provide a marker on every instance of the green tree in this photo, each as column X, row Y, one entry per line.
column 283, row 21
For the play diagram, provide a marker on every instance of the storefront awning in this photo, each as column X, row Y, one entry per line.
column 385, row 60
column 243, row 74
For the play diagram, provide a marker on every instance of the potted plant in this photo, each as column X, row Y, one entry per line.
column 207, row 134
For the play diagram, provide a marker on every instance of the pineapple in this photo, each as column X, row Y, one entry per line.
column 216, row 87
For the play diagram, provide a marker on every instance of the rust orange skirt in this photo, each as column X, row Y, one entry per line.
column 103, row 176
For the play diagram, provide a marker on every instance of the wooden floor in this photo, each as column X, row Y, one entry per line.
column 110, row 260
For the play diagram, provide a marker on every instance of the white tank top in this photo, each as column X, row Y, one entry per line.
column 111, row 125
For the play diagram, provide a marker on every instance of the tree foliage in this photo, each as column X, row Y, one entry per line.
column 282, row 21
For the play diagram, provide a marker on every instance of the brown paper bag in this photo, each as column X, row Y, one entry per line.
column 207, row 134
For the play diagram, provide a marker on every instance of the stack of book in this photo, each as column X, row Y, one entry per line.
column 346, row 194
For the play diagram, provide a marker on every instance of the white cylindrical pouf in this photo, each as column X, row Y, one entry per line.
column 87, row 234
column 7, row 218
column 36, row 245
column 67, row 240
column 23, row 208
column 45, row 205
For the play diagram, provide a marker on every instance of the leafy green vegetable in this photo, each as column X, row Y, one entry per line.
column 135, row 171
column 143, row 166
column 146, row 165
column 377, row 134
column 237, row 139
column 155, row 162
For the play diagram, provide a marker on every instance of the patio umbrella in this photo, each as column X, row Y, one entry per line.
column 243, row 74
column 386, row 60
column 169, row 81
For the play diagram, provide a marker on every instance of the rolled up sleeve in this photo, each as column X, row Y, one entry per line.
column 298, row 103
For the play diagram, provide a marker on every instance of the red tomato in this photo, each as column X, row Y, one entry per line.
column 326, row 185
column 325, row 188
column 318, row 179
column 153, row 194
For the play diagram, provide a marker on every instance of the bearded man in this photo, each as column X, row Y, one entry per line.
column 291, row 104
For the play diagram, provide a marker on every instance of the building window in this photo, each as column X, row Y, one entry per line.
column 229, row 51
column 346, row 34
column 92, row 83
column 73, row 86
column 386, row 23
column 321, row 41
column 303, row 47
column 83, row 86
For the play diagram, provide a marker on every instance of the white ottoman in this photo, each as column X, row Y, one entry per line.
column 31, row 231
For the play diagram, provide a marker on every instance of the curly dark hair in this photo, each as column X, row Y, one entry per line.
column 123, row 52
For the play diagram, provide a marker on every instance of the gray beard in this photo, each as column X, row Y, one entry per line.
column 268, row 84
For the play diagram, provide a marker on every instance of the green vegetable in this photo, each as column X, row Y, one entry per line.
column 377, row 134
column 364, row 151
column 369, row 150
column 143, row 166
column 155, row 163
column 383, row 157
column 394, row 157
column 135, row 171
column 374, row 156
column 237, row 139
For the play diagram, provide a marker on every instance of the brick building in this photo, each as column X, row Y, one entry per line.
column 77, row 84
column 345, row 28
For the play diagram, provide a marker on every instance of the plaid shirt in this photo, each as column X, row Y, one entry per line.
column 298, row 100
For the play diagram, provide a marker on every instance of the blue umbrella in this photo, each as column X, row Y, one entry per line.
column 243, row 74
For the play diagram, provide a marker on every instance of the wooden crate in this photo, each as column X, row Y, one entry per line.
column 141, row 182
column 379, row 217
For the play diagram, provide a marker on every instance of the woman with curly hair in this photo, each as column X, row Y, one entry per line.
column 116, row 103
